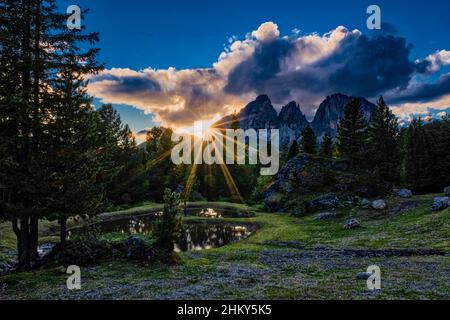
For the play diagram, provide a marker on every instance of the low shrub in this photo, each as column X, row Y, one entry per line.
column 83, row 249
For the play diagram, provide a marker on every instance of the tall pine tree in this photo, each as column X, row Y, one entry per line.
column 309, row 141
column 383, row 143
column 327, row 145
column 45, row 118
column 352, row 133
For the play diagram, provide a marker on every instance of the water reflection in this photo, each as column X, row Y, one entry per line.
column 195, row 235
column 203, row 236
column 210, row 213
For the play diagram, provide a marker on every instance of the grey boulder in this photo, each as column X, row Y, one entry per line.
column 440, row 203
column 379, row 204
column 352, row 224
column 404, row 193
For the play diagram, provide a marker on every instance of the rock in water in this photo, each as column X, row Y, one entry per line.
column 440, row 204
column 365, row 204
column 379, row 205
column 447, row 191
column 325, row 216
column 352, row 224
column 404, row 193
column 326, row 202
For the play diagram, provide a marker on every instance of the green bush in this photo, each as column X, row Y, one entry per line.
column 83, row 249
column 168, row 226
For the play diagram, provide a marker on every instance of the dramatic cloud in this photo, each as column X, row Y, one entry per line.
column 425, row 92
column 438, row 60
column 305, row 68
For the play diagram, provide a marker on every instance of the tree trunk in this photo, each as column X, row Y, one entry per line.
column 34, row 239
column 15, row 225
column 24, row 250
column 27, row 241
column 63, row 232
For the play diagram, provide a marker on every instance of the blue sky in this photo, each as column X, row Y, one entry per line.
column 140, row 34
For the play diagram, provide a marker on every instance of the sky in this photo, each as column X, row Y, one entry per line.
column 175, row 62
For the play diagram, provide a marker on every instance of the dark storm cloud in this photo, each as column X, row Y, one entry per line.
column 262, row 66
column 360, row 65
column 136, row 84
column 373, row 66
column 425, row 92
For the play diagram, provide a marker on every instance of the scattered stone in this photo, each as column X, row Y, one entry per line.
column 440, row 204
column 325, row 216
column 365, row 204
column 326, row 202
column 447, row 191
column 379, row 205
column 364, row 275
column 352, row 224
column 404, row 193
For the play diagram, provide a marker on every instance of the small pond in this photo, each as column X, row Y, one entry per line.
column 196, row 235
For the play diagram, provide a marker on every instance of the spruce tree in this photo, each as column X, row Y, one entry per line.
column 351, row 134
column 417, row 159
column 33, row 46
column 383, row 143
column 326, row 148
column 49, row 143
column 309, row 141
column 75, row 163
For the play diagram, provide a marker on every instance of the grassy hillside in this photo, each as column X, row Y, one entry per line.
column 287, row 258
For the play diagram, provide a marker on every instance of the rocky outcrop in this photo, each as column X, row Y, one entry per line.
column 302, row 178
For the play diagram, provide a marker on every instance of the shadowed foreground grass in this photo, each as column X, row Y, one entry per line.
column 287, row 258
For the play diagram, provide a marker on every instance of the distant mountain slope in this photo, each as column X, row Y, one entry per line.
column 260, row 114
column 332, row 109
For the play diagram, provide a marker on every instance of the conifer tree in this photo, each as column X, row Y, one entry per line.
column 309, row 141
column 37, row 53
column 326, row 148
column 417, row 160
column 383, row 143
column 351, row 134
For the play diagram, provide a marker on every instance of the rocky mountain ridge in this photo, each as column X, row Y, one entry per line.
column 261, row 114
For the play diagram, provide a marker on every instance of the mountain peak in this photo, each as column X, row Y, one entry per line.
column 291, row 113
column 259, row 114
column 263, row 98
column 332, row 109
column 292, row 122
